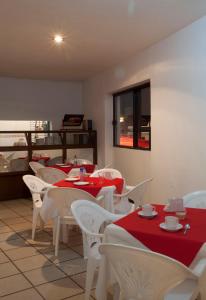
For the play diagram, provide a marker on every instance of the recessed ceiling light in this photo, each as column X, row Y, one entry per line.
column 58, row 39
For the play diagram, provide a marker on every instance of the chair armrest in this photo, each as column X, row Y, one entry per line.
column 186, row 290
column 121, row 195
column 100, row 197
column 129, row 187
column 115, row 217
column 200, row 267
column 98, row 235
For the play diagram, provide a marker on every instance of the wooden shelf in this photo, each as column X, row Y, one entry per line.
column 11, row 183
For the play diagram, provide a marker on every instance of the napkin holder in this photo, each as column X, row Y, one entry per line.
column 175, row 205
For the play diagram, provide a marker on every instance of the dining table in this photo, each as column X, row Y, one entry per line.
column 187, row 247
column 96, row 186
column 68, row 167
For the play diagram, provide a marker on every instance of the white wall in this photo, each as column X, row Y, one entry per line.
column 24, row 99
column 176, row 67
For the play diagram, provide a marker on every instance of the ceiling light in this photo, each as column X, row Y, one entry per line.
column 58, row 39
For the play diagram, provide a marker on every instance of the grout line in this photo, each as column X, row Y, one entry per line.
column 32, row 286
column 52, row 263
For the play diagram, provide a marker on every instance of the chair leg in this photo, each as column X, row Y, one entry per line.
column 91, row 267
column 57, row 236
column 34, row 222
column 85, row 245
column 54, row 231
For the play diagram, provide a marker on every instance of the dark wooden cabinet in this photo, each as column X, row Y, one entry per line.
column 11, row 183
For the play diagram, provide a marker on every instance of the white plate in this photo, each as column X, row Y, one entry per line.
column 60, row 165
column 81, row 183
column 178, row 227
column 154, row 213
column 72, row 179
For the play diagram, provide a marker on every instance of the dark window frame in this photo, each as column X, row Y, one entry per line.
column 136, row 116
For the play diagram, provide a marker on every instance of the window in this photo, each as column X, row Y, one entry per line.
column 132, row 114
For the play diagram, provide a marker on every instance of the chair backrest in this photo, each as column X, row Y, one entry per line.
column 35, row 184
column 107, row 173
column 143, row 274
column 35, row 166
column 89, row 215
column 55, row 160
column 81, row 161
column 195, row 200
column 74, row 172
column 138, row 191
column 51, row 175
column 64, row 197
column 19, row 164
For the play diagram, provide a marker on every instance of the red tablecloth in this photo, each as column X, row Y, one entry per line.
column 96, row 183
column 37, row 158
column 173, row 244
column 67, row 168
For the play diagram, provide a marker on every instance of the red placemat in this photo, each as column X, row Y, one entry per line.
column 96, row 183
column 173, row 244
column 67, row 168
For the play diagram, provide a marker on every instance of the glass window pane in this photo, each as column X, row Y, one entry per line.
column 124, row 119
column 145, row 111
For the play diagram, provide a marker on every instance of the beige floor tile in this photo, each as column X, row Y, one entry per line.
column 7, row 213
column 7, row 269
column 2, row 223
column 40, row 236
column 28, row 218
column 16, row 207
column 74, row 266
column 59, row 289
column 3, row 258
column 12, row 244
column 41, row 246
column 26, row 212
column 8, row 236
column 43, row 275
column 78, row 297
column 5, row 228
column 78, row 249
column 22, row 252
column 21, row 226
column 11, row 221
column 80, row 279
column 63, row 255
column 30, row 294
column 27, row 202
column 33, row 262
column 75, row 240
column 13, row 284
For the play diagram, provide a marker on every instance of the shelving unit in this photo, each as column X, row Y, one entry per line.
column 11, row 184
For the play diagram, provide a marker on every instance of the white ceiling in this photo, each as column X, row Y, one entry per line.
column 98, row 33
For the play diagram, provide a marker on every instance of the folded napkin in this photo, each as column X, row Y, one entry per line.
column 174, row 205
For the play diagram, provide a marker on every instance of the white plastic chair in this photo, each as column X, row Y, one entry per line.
column 37, row 187
column 55, row 160
column 146, row 275
column 107, row 173
column 74, row 172
column 81, row 161
column 91, row 217
column 35, row 166
column 65, row 197
column 195, row 200
column 51, row 175
column 135, row 193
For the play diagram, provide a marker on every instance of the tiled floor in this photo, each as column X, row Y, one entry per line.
column 29, row 269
